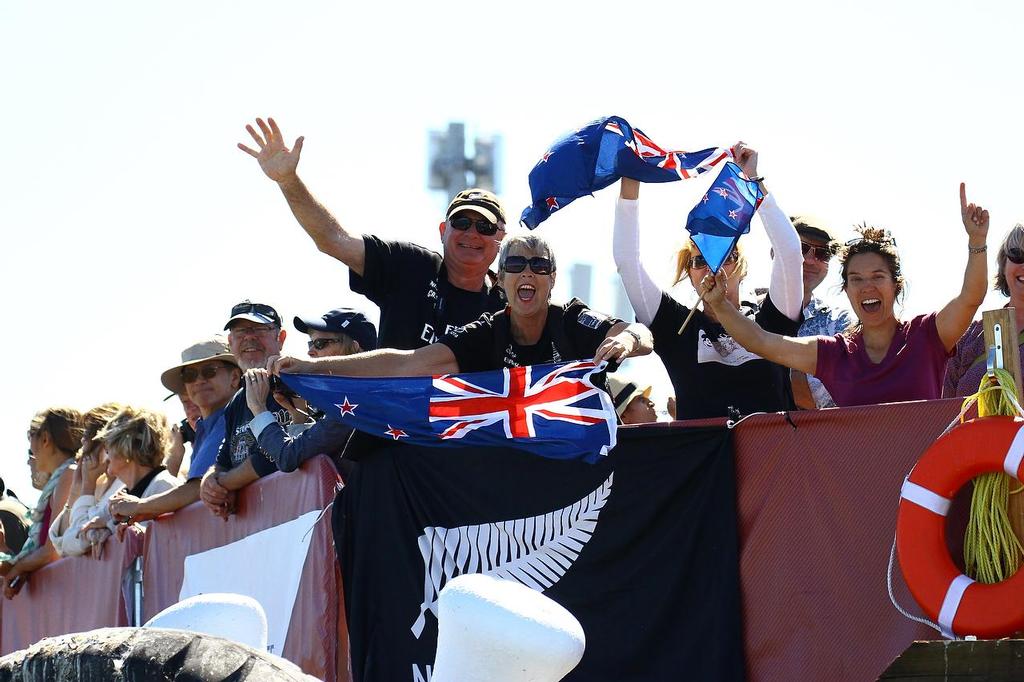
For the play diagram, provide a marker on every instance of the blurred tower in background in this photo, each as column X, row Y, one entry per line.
column 451, row 169
column 580, row 275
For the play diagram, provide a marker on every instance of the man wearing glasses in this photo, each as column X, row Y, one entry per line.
column 254, row 334
column 208, row 376
column 818, row 245
column 336, row 333
column 421, row 295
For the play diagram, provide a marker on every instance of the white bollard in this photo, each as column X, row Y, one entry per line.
column 493, row 630
column 231, row 616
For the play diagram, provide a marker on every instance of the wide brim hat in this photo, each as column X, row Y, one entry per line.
column 623, row 391
column 212, row 349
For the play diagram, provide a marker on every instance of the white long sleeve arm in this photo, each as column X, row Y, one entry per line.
column 787, row 282
column 85, row 508
column 644, row 295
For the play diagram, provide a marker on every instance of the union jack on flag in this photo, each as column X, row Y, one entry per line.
column 600, row 153
column 555, row 411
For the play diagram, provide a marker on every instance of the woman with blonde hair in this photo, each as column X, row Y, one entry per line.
column 712, row 374
column 90, row 482
column 968, row 364
column 137, row 441
column 54, row 437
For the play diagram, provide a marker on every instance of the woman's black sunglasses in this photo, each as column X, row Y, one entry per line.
column 538, row 265
column 484, row 227
column 1015, row 255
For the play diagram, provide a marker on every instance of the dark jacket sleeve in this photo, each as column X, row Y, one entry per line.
column 325, row 437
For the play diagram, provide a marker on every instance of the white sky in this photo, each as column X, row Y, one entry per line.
column 133, row 223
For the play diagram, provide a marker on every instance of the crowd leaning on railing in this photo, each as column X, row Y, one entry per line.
column 485, row 303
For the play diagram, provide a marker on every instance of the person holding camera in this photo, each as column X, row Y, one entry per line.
column 336, row 333
column 91, row 488
column 255, row 333
column 422, row 295
column 208, row 375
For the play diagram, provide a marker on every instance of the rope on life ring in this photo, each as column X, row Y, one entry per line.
column 960, row 605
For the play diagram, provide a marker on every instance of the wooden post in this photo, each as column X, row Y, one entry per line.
column 1006, row 318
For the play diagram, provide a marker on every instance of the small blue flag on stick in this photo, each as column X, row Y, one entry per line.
column 723, row 214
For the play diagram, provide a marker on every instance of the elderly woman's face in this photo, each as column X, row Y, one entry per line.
column 115, row 464
column 527, row 291
column 1014, row 274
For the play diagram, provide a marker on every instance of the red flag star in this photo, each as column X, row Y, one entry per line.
column 396, row 433
column 553, row 204
column 347, row 407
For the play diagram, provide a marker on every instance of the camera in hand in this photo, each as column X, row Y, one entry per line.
column 188, row 434
column 278, row 386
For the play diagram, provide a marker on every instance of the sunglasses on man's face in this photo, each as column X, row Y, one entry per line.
column 320, row 344
column 538, row 265
column 191, row 374
column 699, row 263
column 483, row 227
column 821, row 253
column 1015, row 255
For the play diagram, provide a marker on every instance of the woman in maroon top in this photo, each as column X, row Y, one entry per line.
column 881, row 359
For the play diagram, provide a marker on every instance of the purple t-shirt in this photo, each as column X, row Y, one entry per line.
column 911, row 370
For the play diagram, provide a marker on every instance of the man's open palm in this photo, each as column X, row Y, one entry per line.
column 277, row 161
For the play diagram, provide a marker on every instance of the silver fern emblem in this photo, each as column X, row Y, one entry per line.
column 535, row 551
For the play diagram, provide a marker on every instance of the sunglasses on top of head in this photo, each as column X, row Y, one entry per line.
column 699, row 263
column 538, row 265
column 248, row 307
column 821, row 253
column 483, row 227
column 1015, row 255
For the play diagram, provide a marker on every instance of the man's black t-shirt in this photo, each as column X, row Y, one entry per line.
column 573, row 332
column 239, row 444
column 417, row 302
column 710, row 372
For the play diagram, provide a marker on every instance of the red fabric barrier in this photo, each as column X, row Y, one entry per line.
column 817, row 513
column 816, row 504
column 70, row 595
column 313, row 632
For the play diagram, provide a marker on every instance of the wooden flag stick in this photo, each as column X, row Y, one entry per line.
column 692, row 311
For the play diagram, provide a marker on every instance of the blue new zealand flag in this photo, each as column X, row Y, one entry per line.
column 723, row 214
column 600, row 153
column 554, row 411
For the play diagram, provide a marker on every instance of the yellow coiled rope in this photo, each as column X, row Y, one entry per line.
column 991, row 550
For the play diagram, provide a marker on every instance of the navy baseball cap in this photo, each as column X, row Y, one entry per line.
column 260, row 313
column 351, row 323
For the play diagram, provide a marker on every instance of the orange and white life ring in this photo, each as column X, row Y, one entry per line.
column 957, row 603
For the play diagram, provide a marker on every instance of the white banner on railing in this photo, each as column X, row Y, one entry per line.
column 266, row 566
